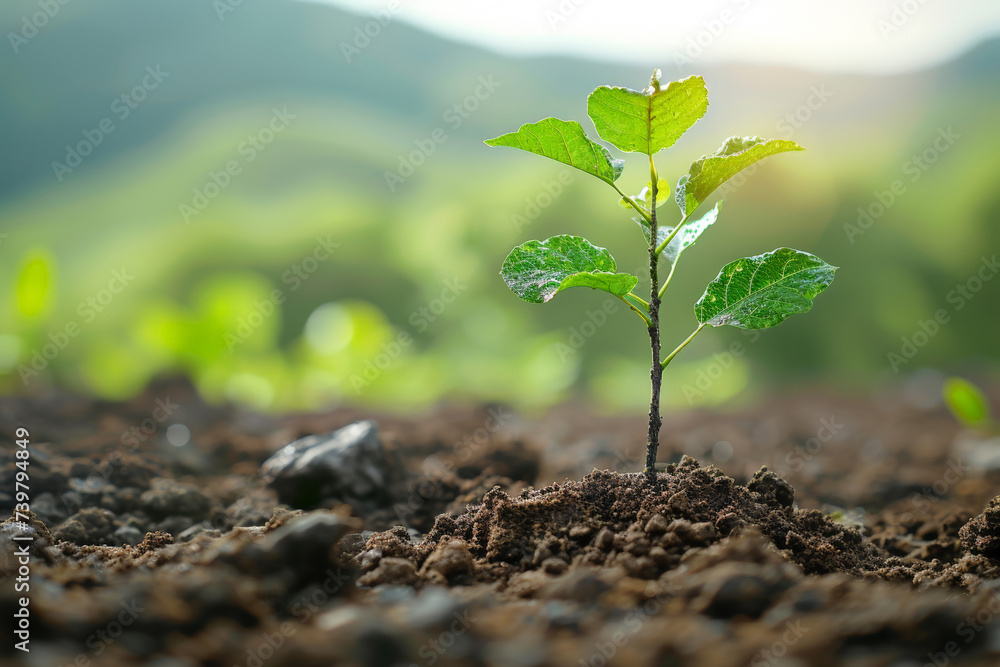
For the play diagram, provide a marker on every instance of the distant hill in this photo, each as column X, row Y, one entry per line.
column 64, row 80
column 209, row 88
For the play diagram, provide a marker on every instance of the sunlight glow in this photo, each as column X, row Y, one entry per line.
column 870, row 36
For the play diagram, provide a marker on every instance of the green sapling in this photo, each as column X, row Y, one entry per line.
column 750, row 293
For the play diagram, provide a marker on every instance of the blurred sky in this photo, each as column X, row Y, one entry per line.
column 862, row 36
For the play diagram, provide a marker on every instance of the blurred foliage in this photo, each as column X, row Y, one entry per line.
column 967, row 403
column 302, row 280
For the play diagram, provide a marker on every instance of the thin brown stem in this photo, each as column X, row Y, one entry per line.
column 656, row 371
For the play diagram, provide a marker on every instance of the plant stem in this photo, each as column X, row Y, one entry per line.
column 640, row 307
column 670, row 237
column 645, row 216
column 656, row 370
column 663, row 287
column 669, row 357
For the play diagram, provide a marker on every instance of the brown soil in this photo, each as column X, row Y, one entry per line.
column 811, row 530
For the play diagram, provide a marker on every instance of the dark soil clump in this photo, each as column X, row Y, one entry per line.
column 453, row 539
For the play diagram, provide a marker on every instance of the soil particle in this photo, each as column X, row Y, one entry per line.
column 472, row 566
column 394, row 571
column 638, row 514
column 772, row 487
column 450, row 561
column 982, row 534
column 152, row 542
column 168, row 499
column 88, row 526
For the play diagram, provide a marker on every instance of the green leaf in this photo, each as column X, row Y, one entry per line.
column 538, row 270
column 566, row 142
column 760, row 292
column 966, row 402
column 711, row 171
column 689, row 234
column 685, row 238
column 643, row 199
column 650, row 120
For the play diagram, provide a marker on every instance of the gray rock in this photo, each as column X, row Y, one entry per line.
column 174, row 525
column 129, row 535
column 46, row 506
column 304, row 548
column 348, row 466
column 9, row 546
column 88, row 526
column 198, row 529
column 167, row 498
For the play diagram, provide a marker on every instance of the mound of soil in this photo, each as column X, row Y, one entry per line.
column 861, row 538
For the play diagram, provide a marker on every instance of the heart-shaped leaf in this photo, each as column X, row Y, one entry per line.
column 566, row 142
column 650, row 120
column 711, row 171
column 538, row 270
column 760, row 292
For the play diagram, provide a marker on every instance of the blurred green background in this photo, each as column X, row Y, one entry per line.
column 230, row 218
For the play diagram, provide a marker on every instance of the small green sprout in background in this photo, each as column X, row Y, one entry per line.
column 750, row 293
column 968, row 404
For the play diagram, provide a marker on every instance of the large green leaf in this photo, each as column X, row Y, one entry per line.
column 711, row 171
column 566, row 142
column 685, row 238
column 538, row 270
column 650, row 120
column 760, row 292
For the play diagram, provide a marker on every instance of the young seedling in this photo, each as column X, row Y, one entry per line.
column 750, row 293
column 968, row 404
